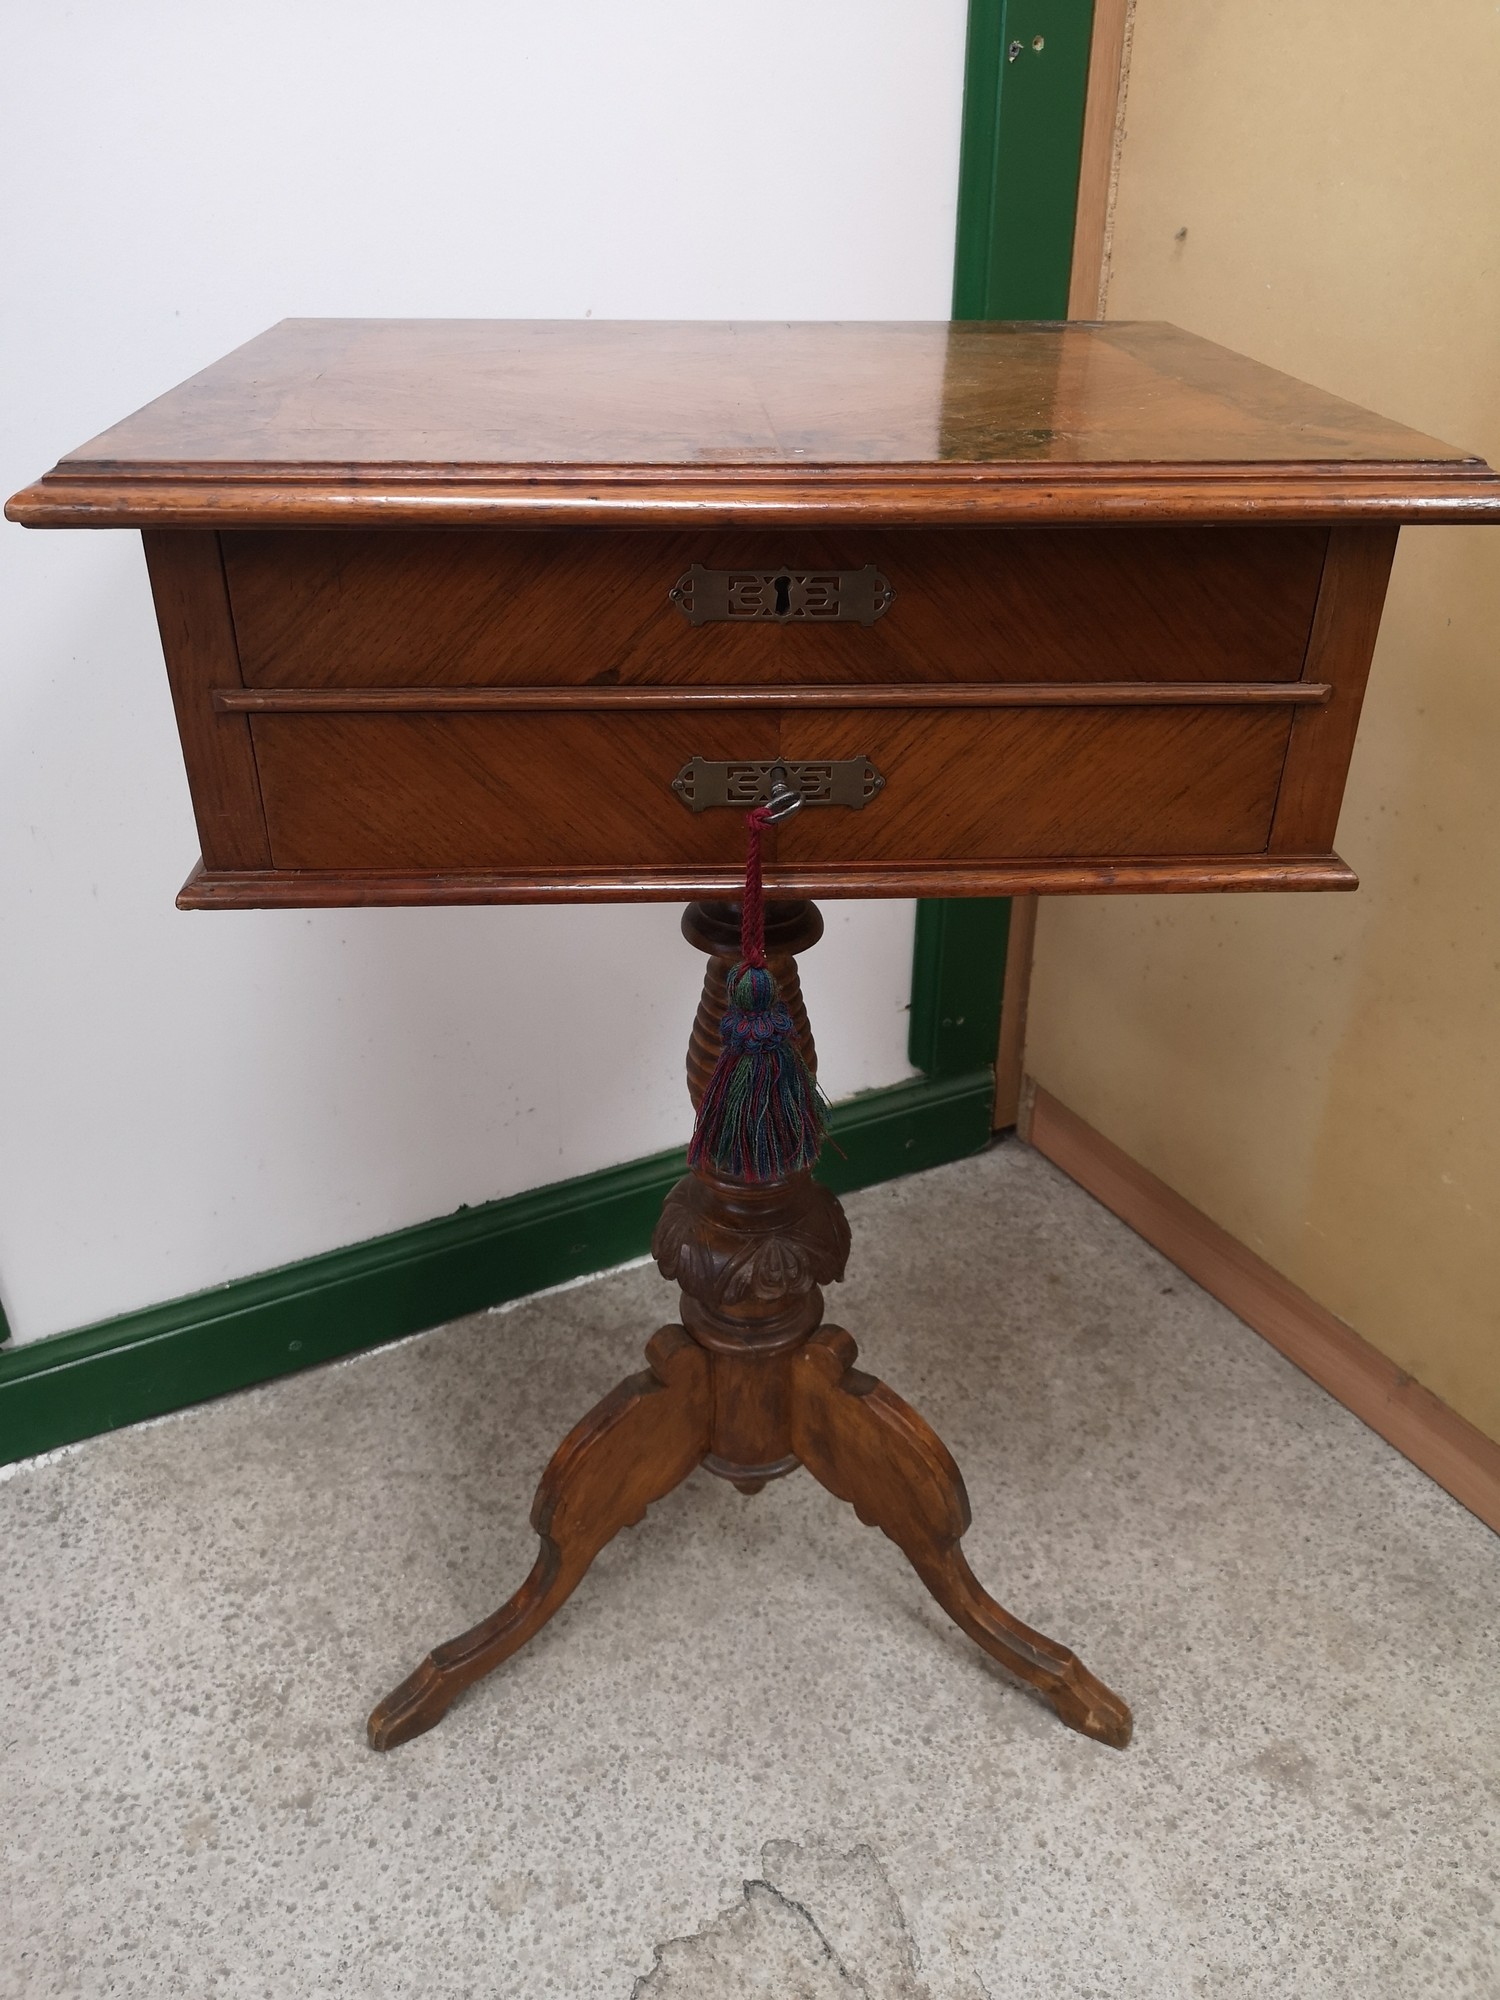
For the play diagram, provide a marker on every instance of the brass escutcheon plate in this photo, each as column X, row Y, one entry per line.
column 828, row 781
column 785, row 595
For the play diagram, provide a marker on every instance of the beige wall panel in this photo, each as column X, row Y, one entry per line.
column 1320, row 187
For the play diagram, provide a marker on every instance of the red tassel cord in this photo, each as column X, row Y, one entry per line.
column 753, row 902
column 761, row 1117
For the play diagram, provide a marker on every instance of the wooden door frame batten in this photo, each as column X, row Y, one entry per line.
column 1103, row 114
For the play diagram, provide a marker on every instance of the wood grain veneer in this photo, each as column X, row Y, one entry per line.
column 1345, row 628
column 459, row 792
column 1125, row 604
column 192, row 612
column 413, row 580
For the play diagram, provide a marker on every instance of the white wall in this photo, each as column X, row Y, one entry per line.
column 188, row 1099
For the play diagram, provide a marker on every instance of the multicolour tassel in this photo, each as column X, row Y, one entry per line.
column 761, row 1117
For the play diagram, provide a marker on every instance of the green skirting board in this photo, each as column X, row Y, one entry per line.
column 144, row 1364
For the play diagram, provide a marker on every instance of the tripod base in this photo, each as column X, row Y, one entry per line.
column 852, row 1433
column 750, row 1386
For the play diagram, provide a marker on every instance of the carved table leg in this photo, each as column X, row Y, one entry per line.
column 865, row 1445
column 749, row 1388
column 634, row 1447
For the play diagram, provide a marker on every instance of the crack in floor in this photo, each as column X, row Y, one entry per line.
column 817, row 1923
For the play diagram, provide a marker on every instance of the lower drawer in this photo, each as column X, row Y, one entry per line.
column 593, row 790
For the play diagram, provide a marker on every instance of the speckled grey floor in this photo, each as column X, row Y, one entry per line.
column 750, row 1758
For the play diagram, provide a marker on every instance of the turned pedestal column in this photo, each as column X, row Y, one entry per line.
column 750, row 1385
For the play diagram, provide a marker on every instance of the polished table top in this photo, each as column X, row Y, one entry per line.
column 573, row 422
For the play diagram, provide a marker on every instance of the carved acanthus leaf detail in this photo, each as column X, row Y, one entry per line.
column 724, row 1255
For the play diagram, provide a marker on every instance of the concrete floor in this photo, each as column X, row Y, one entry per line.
column 750, row 1758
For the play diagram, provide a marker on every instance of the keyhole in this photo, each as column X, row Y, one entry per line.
column 783, row 586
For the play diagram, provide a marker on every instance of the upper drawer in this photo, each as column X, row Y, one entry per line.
column 386, row 609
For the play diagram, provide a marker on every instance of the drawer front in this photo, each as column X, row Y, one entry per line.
column 315, row 609
column 593, row 790
column 497, row 791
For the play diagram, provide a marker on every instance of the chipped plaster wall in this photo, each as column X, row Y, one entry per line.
column 1320, row 188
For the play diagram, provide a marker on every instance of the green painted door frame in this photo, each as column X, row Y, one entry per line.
column 1025, row 83
column 1023, row 117
column 1026, row 70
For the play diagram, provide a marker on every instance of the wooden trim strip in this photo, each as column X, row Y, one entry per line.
column 1015, row 997
column 384, row 475
column 1044, row 495
column 300, row 889
column 1444, row 1445
column 1101, row 114
column 931, row 694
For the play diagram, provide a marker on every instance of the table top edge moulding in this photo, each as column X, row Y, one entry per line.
column 407, row 423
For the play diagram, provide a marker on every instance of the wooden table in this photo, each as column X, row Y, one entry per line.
column 479, row 611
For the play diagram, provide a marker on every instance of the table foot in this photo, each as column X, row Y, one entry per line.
column 861, row 1441
column 634, row 1447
